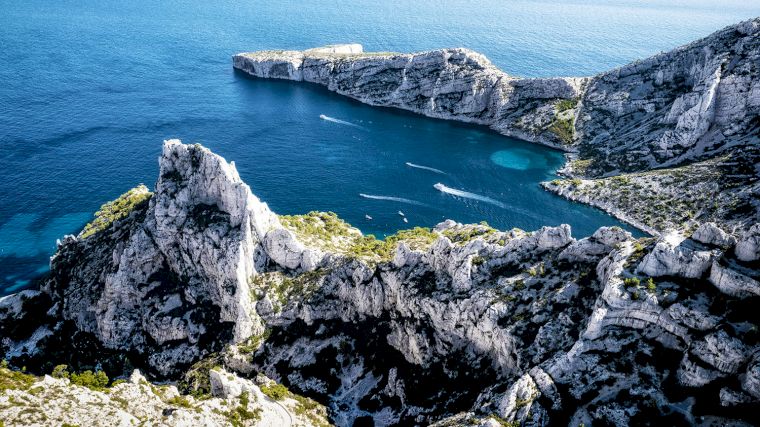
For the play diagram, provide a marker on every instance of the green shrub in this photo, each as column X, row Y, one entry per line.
column 564, row 130
column 566, row 104
column 632, row 282
column 239, row 416
column 60, row 371
column 651, row 286
column 275, row 391
column 116, row 210
column 180, row 401
column 96, row 380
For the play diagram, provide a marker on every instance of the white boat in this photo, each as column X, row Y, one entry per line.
column 400, row 213
column 406, row 220
column 368, row 217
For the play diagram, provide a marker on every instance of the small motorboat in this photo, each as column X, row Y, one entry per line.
column 406, row 220
column 400, row 213
column 368, row 217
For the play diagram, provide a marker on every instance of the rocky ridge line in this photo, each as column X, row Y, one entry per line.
column 462, row 324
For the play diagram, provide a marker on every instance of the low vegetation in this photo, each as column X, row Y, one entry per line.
column 97, row 380
column 275, row 391
column 240, row 415
column 663, row 200
column 330, row 233
column 116, row 210
column 564, row 130
column 14, row 380
column 566, row 104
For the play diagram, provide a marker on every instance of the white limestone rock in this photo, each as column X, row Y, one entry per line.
column 593, row 248
column 668, row 260
column 710, row 234
column 748, row 247
column 732, row 282
column 456, row 84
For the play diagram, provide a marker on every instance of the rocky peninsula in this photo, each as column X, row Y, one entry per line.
column 635, row 135
column 204, row 289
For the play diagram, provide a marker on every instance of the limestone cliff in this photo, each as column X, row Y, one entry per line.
column 695, row 104
column 456, row 84
column 458, row 325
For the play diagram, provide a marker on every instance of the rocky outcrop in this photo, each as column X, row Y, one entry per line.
column 710, row 234
column 669, row 260
column 733, row 282
column 461, row 324
column 171, row 279
column 29, row 400
column 748, row 247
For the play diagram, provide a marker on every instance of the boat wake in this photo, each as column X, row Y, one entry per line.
column 339, row 121
column 427, row 168
column 391, row 199
column 467, row 195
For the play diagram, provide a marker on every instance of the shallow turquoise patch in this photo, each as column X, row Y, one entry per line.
column 22, row 235
column 518, row 159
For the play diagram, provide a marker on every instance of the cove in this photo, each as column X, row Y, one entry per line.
column 361, row 161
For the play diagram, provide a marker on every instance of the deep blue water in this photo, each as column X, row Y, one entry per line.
column 89, row 89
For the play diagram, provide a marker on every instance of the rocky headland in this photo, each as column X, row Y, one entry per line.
column 243, row 317
column 635, row 135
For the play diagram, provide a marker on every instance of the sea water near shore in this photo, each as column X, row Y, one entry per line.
column 89, row 89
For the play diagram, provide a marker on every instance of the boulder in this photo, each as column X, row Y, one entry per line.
column 668, row 260
column 748, row 247
column 710, row 234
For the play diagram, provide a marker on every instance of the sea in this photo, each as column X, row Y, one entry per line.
column 89, row 89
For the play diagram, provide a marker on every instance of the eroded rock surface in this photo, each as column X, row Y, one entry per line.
column 461, row 324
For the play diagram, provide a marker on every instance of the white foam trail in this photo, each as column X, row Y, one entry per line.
column 427, row 168
column 339, row 121
column 392, row 199
column 466, row 194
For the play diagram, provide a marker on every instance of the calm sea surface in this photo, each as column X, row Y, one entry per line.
column 89, row 89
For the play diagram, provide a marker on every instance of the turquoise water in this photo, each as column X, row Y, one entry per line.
column 89, row 89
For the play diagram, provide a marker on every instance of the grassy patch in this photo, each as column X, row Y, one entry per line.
column 580, row 167
column 566, row 104
column 241, row 415
column 467, row 233
column 179, row 401
column 14, row 380
column 330, row 233
column 275, row 391
column 116, row 210
column 564, row 130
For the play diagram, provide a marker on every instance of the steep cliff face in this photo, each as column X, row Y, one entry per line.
column 691, row 103
column 460, row 325
column 170, row 280
column 456, row 84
